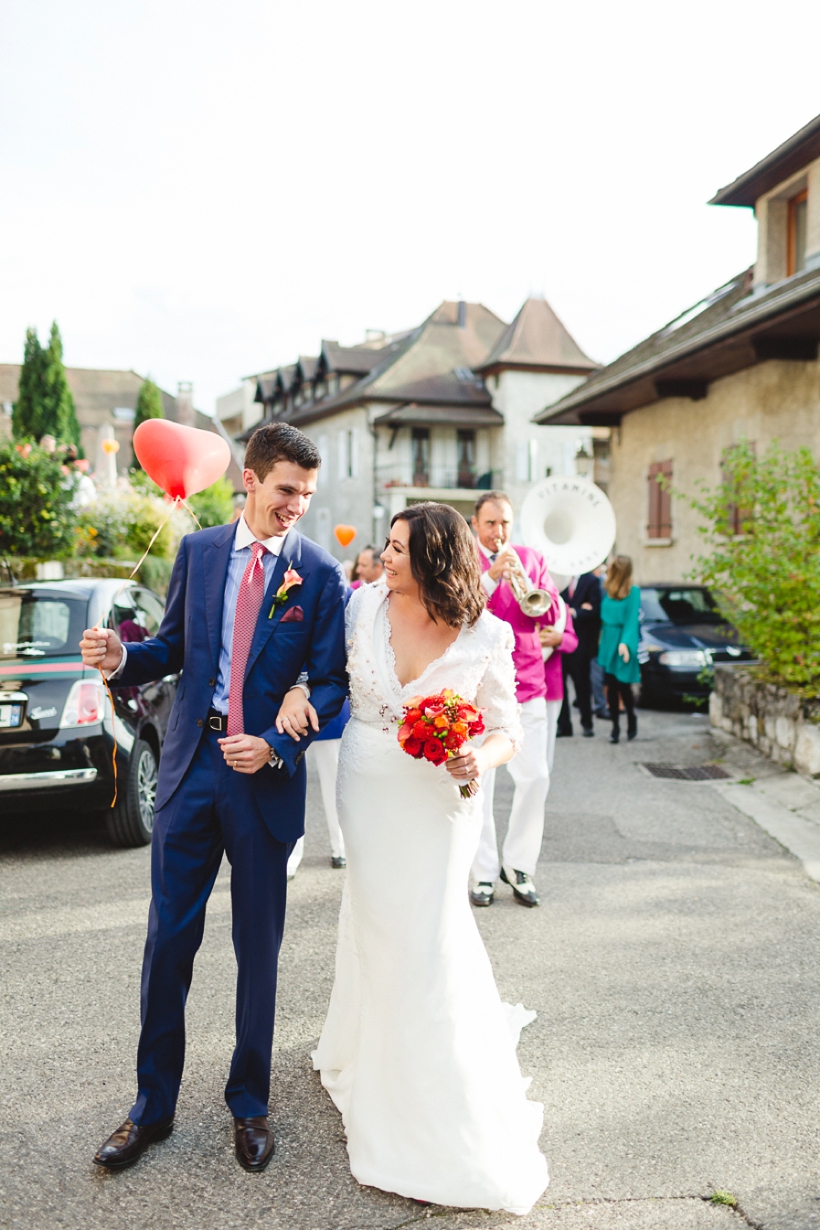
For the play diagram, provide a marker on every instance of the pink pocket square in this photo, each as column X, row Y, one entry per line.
column 293, row 614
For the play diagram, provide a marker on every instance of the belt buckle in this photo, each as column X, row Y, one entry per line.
column 215, row 722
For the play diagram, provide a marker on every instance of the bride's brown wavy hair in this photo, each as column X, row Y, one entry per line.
column 444, row 561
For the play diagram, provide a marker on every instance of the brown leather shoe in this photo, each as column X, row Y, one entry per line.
column 130, row 1141
column 254, row 1142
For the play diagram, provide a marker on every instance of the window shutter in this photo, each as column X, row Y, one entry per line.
column 354, row 453
column 660, row 501
column 341, row 467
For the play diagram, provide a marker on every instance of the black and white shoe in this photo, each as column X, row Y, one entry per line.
column 483, row 893
column 522, row 886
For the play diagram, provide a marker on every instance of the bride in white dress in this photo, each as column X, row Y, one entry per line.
column 418, row 1051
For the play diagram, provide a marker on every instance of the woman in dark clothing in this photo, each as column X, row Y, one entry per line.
column 618, row 651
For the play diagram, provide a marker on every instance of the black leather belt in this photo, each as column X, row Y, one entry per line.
column 217, row 721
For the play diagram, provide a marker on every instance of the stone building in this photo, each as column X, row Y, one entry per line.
column 740, row 364
column 435, row 413
column 106, row 402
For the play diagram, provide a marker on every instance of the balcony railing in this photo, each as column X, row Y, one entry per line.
column 437, row 477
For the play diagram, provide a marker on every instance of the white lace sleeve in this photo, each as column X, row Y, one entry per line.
column 495, row 694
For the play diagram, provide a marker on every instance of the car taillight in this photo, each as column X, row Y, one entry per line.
column 85, row 705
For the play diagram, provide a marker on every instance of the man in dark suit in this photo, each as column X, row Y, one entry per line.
column 583, row 597
column 251, row 606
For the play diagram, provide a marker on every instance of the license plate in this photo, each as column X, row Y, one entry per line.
column 11, row 715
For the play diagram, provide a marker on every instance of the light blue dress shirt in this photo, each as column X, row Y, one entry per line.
column 240, row 557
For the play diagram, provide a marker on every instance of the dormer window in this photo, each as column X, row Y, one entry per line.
column 796, row 241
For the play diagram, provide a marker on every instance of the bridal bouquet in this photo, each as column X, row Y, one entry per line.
column 435, row 727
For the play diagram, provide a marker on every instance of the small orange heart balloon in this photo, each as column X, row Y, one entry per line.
column 345, row 534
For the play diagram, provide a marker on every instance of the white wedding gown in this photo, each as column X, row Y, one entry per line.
column 418, row 1051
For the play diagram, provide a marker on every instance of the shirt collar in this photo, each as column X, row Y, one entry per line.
column 485, row 551
column 245, row 537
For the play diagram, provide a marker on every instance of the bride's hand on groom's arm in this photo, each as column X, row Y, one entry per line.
column 296, row 715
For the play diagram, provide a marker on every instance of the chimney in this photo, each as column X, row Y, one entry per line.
column 462, row 313
column 185, row 403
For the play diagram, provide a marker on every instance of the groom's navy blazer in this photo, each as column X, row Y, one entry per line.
column 189, row 641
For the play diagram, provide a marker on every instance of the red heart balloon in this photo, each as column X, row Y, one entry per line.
column 181, row 460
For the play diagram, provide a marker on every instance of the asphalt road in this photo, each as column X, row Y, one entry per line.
column 673, row 965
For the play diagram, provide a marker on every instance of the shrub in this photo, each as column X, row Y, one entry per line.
column 762, row 533
column 121, row 523
column 36, row 492
column 214, row 505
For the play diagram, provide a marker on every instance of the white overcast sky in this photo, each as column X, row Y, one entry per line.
column 200, row 190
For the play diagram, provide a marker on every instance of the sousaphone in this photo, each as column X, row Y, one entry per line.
column 571, row 523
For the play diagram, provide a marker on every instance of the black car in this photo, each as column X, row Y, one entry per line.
column 682, row 633
column 58, row 730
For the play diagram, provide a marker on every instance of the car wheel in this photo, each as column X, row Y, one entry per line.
column 131, row 822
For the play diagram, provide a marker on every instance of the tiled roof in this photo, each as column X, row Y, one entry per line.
column 792, row 156
column 415, row 415
column 537, row 339
column 732, row 328
column 350, row 360
column 435, row 364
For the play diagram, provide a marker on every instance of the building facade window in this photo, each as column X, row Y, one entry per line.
column 466, row 455
column 421, row 456
column 659, row 523
column 348, row 456
column 738, row 515
column 796, row 249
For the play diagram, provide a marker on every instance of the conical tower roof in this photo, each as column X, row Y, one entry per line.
column 537, row 340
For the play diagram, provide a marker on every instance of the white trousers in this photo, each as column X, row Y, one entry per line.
column 553, row 710
column 325, row 755
column 530, row 772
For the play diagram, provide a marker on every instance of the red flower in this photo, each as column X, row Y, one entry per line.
column 413, row 747
column 435, row 751
column 453, row 741
column 412, row 715
column 477, row 727
column 421, row 730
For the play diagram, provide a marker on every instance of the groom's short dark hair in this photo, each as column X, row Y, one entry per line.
column 280, row 442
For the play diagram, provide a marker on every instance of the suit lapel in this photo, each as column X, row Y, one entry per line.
column 289, row 557
column 216, row 560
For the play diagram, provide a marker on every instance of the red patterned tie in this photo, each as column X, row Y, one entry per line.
column 248, row 603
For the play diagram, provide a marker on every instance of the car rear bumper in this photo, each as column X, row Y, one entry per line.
column 47, row 780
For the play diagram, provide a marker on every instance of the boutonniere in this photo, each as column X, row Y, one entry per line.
column 289, row 580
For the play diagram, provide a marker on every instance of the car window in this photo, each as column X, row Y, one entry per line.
column 36, row 625
column 686, row 605
column 137, row 615
column 150, row 610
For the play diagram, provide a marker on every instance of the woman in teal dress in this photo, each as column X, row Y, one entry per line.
column 618, row 649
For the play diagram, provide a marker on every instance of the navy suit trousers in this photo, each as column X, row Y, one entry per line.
column 214, row 810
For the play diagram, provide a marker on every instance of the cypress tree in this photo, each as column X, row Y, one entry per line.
column 27, row 417
column 149, row 406
column 59, row 412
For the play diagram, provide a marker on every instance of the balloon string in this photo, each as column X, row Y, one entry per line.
column 177, row 500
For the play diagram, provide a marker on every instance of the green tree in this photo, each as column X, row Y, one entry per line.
column 45, row 404
column 36, row 517
column 762, row 534
column 27, row 418
column 149, row 406
column 60, row 414
column 214, row 505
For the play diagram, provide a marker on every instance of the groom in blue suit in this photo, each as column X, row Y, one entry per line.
column 229, row 781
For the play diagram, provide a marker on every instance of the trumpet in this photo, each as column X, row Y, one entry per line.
column 534, row 602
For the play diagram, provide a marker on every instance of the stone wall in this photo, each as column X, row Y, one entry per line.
column 781, row 725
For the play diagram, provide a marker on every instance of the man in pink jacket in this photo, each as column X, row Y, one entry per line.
column 529, row 770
